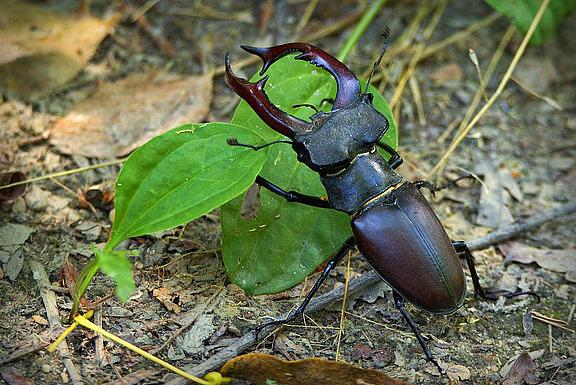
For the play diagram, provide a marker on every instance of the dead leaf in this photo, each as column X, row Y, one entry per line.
column 495, row 194
column 13, row 377
column 262, row 369
column 11, row 193
column 457, row 372
column 520, row 370
column 165, row 296
column 40, row 320
column 561, row 261
column 507, row 367
column 446, row 73
column 192, row 341
column 135, row 378
column 12, row 237
column 571, row 276
column 121, row 116
column 536, row 72
column 41, row 50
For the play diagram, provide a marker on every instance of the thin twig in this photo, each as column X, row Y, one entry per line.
column 65, row 173
column 324, row 32
column 486, row 79
column 499, row 90
column 415, row 88
column 49, row 300
column 32, row 344
column 310, row 7
column 461, row 34
column 364, row 281
column 343, row 309
column 195, row 313
column 396, row 97
column 431, row 50
column 513, row 229
column 404, row 42
column 99, row 352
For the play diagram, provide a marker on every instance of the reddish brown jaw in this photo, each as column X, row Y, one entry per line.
column 348, row 86
column 254, row 94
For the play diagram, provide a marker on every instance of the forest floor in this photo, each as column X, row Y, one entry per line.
column 523, row 150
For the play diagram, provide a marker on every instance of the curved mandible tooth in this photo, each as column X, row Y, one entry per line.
column 255, row 96
column 348, row 85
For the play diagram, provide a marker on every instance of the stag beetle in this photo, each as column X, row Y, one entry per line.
column 394, row 227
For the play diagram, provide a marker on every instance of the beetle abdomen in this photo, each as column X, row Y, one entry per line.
column 403, row 240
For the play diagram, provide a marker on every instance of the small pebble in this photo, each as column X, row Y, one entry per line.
column 19, row 206
column 46, row 368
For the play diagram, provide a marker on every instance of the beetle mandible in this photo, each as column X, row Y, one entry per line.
column 394, row 227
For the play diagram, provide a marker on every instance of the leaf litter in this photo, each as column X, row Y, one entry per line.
column 40, row 50
column 121, row 116
column 479, row 339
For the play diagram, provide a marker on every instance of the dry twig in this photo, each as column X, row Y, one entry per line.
column 364, row 281
column 499, row 90
column 49, row 299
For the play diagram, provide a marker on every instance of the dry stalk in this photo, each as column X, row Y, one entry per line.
column 498, row 92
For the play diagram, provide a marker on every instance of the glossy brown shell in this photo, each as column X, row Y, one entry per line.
column 403, row 240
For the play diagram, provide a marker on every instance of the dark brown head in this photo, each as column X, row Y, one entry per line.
column 331, row 140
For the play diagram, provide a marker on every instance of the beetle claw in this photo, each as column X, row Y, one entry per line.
column 254, row 94
column 348, row 85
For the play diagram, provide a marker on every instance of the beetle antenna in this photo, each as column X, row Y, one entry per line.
column 385, row 35
column 234, row 142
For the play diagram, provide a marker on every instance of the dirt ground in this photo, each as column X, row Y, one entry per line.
column 523, row 147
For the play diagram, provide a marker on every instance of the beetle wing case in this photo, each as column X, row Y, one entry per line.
column 402, row 238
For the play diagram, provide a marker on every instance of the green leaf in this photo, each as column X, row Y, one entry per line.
column 115, row 265
column 286, row 241
column 522, row 12
column 181, row 175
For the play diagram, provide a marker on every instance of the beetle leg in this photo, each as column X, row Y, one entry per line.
column 234, row 142
column 336, row 258
column 396, row 160
column 401, row 306
column 435, row 188
column 462, row 248
column 348, row 85
column 293, row 196
column 255, row 96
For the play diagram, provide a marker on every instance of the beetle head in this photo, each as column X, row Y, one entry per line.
column 331, row 140
column 348, row 86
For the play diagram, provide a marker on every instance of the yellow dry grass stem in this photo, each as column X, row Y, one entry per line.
column 517, row 56
column 212, row 378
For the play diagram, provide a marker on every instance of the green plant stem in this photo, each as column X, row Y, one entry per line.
column 360, row 29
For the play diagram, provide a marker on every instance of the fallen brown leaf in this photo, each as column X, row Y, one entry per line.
column 11, row 193
column 561, row 261
column 495, row 195
column 259, row 369
column 164, row 295
column 520, row 371
column 41, row 50
column 40, row 320
column 13, row 377
column 121, row 116
column 448, row 72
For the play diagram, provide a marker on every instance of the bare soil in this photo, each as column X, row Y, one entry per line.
column 523, row 135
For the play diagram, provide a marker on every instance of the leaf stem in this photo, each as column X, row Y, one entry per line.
column 360, row 29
